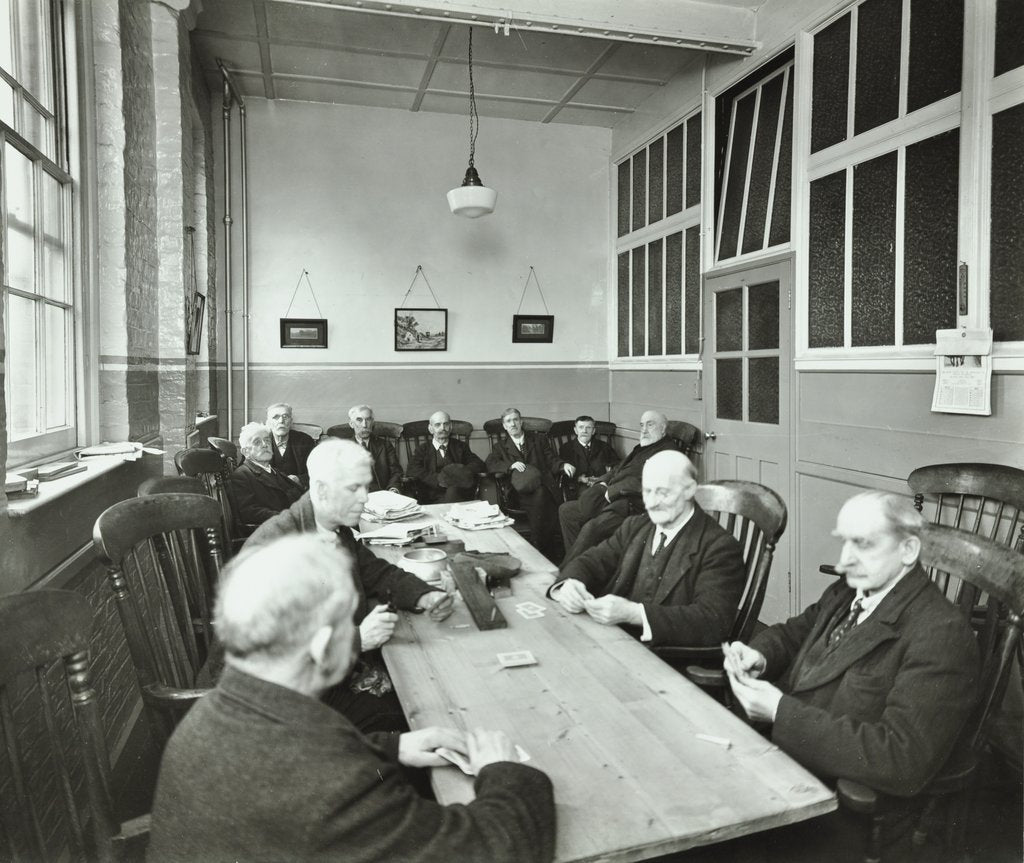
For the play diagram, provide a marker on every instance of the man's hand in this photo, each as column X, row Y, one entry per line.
column 613, row 610
column 377, row 627
column 416, row 748
column 489, row 747
column 437, row 604
column 395, row 490
column 743, row 661
column 294, row 478
column 759, row 698
column 572, row 595
column 518, row 465
column 570, row 470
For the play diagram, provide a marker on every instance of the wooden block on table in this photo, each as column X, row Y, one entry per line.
column 480, row 603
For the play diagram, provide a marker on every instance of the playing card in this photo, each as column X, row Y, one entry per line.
column 528, row 614
column 529, row 606
column 456, row 758
column 516, row 658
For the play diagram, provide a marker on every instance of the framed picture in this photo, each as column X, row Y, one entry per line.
column 421, row 329
column 533, row 328
column 194, row 325
column 303, row 332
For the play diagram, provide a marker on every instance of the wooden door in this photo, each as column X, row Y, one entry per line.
column 747, row 373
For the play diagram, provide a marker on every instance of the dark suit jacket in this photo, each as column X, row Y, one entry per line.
column 300, row 445
column 387, row 471
column 885, row 706
column 259, row 495
column 426, row 464
column 696, row 602
column 624, row 482
column 593, row 462
column 536, row 451
column 257, row 772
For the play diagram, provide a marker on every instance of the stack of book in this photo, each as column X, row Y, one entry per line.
column 18, row 487
column 478, row 515
column 387, row 506
column 399, row 533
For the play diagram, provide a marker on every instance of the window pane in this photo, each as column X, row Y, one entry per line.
column 729, row 320
column 57, row 347
column 34, row 56
column 732, row 206
column 829, row 91
column 877, row 90
column 826, row 261
column 640, row 189
column 693, row 133
column 729, row 389
column 930, row 237
column 674, row 294
column 623, row 197
column 639, row 278
column 674, row 165
column 936, row 51
column 624, row 304
column 54, row 275
column 39, row 129
column 874, row 252
column 1007, row 256
column 23, row 408
column 779, row 232
column 656, row 176
column 1009, row 35
column 763, row 389
column 761, row 167
column 654, row 287
column 7, row 103
column 763, row 316
column 6, row 57
column 20, row 220
column 693, row 290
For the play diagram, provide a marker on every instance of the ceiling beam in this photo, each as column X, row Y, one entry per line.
column 428, row 71
column 586, row 76
column 675, row 23
column 266, row 64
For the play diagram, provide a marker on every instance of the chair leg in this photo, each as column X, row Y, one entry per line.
column 873, row 852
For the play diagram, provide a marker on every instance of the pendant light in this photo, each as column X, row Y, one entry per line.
column 472, row 199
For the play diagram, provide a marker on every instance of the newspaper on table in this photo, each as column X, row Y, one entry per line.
column 478, row 515
column 399, row 533
column 387, row 506
column 963, row 371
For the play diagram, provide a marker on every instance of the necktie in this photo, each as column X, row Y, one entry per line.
column 659, row 544
column 443, row 452
column 847, row 623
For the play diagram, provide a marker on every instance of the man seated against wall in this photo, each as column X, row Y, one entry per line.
column 259, row 490
column 533, row 471
column 445, row 469
column 615, row 495
column 339, row 481
column 261, row 769
column 874, row 681
column 671, row 577
column 590, row 455
column 386, row 469
column 291, row 448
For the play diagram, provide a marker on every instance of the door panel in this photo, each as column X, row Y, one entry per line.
column 747, row 374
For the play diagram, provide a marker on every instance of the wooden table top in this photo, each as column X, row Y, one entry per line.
column 612, row 725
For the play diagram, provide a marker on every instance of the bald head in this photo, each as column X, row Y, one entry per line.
column 339, row 482
column 440, row 426
column 652, row 427
column 669, row 484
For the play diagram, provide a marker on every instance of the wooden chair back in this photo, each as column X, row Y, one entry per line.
column 688, row 436
column 499, row 490
column 417, row 433
column 312, row 429
column 563, row 431
column 170, row 485
column 55, row 799
column 163, row 554
column 228, row 450
column 381, row 429
column 212, row 469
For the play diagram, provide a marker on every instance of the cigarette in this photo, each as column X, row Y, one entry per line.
column 718, row 741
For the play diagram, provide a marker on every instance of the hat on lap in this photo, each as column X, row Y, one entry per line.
column 525, row 481
column 456, row 476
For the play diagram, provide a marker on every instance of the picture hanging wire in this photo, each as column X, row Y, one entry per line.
column 303, row 275
column 532, row 274
column 419, row 272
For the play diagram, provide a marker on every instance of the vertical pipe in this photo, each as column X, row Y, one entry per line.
column 226, row 98
column 245, row 267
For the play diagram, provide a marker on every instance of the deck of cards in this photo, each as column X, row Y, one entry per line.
column 529, row 610
column 516, row 658
column 462, row 762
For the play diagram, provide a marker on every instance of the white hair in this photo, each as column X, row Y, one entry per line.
column 334, row 455
column 249, row 432
column 352, row 411
column 284, row 405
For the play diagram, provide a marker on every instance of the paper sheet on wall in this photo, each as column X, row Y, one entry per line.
column 963, row 372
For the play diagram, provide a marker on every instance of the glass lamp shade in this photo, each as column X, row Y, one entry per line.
column 472, row 199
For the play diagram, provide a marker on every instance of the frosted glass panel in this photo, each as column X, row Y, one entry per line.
column 826, row 257
column 1009, row 35
column 639, row 278
column 729, row 389
column 639, row 189
column 763, row 316
column 692, row 289
column 674, row 161
column 761, row 167
column 623, row 197
column 763, row 389
column 654, row 298
column 656, row 175
column 693, row 134
column 874, row 252
column 623, row 304
column 877, row 98
column 729, row 320
column 1007, row 260
column 829, row 96
column 674, row 294
column 936, row 51
column 732, row 207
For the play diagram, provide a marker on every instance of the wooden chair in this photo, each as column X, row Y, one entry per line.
column 417, row 433
column 561, row 433
column 381, row 429
column 228, row 450
column 163, row 554
column 988, row 568
column 213, row 470
column 312, row 429
column 171, row 485
column 688, row 437
column 56, row 803
column 756, row 516
column 496, row 487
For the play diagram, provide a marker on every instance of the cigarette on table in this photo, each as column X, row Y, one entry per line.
column 725, row 743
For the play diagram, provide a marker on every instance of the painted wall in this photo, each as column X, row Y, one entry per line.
column 356, row 196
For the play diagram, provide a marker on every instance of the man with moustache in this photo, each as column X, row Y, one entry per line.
column 291, row 448
column 445, row 469
column 386, row 471
column 590, row 455
column 259, row 490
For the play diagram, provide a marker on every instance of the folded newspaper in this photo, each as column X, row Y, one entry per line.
column 399, row 533
column 478, row 515
column 385, row 506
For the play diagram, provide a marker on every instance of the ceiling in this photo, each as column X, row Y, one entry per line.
column 328, row 51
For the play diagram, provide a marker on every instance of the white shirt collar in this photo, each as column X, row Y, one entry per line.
column 870, row 603
column 263, row 467
column 671, row 533
column 438, row 446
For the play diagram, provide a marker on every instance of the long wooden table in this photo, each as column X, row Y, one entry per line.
column 614, row 727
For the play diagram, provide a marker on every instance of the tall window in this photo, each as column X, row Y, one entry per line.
column 658, row 247
column 37, row 263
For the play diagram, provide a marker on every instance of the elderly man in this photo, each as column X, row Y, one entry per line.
column 533, row 470
column 615, row 495
column 260, row 769
column 874, row 680
column 445, row 469
column 258, row 490
column 386, row 470
column 590, row 455
column 291, row 448
column 673, row 576
column 339, row 481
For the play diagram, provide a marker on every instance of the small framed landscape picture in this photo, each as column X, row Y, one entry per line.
column 533, row 328
column 421, row 329
column 303, row 332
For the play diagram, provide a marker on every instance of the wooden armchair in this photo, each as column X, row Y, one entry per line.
column 417, row 433
column 687, row 436
column 213, row 470
column 496, row 487
column 561, row 433
column 55, row 801
column 163, row 555
column 228, row 450
column 312, row 429
column 171, row 484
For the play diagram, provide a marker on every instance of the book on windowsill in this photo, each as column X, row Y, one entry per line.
column 18, row 487
column 58, row 469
